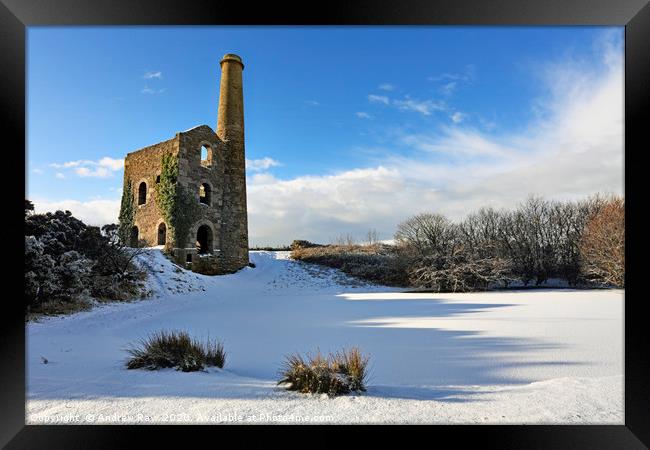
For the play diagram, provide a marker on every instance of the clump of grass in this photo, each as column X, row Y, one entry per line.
column 339, row 373
column 167, row 349
column 352, row 365
column 215, row 355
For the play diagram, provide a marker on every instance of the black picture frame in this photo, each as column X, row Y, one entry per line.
column 16, row 15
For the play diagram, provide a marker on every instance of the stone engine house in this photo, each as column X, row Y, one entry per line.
column 211, row 166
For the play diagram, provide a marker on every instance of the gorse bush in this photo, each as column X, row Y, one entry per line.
column 339, row 373
column 175, row 349
column 67, row 261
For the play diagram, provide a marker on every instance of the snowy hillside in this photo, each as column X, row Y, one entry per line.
column 535, row 356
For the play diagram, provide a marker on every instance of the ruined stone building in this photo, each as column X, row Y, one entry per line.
column 209, row 229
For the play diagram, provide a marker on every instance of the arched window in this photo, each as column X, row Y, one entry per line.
column 162, row 234
column 206, row 155
column 204, row 240
column 205, row 194
column 134, row 237
column 142, row 193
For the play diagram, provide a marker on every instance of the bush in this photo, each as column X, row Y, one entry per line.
column 270, row 248
column 461, row 271
column 377, row 263
column 336, row 374
column 66, row 261
column 175, row 349
column 602, row 247
column 298, row 243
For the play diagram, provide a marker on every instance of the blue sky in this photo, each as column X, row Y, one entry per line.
column 347, row 128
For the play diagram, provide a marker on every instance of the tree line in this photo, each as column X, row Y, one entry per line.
column 576, row 241
column 580, row 242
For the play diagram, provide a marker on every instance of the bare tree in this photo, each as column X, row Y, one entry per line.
column 372, row 236
column 345, row 239
column 427, row 234
column 602, row 247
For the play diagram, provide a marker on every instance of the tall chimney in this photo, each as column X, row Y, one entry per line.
column 230, row 119
column 230, row 129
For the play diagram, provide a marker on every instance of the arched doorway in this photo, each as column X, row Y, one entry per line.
column 204, row 239
column 162, row 234
column 133, row 242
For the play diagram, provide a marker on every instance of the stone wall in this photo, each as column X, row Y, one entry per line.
column 192, row 174
column 144, row 166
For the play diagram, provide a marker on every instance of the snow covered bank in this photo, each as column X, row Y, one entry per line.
column 549, row 356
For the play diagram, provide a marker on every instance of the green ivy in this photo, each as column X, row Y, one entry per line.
column 126, row 212
column 176, row 204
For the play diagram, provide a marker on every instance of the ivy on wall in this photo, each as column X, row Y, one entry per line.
column 126, row 213
column 176, row 204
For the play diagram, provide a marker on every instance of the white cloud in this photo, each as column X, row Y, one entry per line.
column 363, row 115
column 37, row 171
column 148, row 90
column 572, row 150
column 386, row 87
column 450, row 82
column 468, row 74
column 425, row 107
column 111, row 163
column 97, row 172
column 92, row 212
column 102, row 168
column 312, row 103
column 59, row 175
column 261, row 164
column 378, row 99
column 457, row 117
column 150, row 75
column 69, row 164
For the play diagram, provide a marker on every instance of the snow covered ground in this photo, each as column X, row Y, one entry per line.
column 533, row 356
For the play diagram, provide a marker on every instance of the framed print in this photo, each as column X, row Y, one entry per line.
column 420, row 214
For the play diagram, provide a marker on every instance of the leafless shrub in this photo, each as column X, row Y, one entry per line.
column 460, row 271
